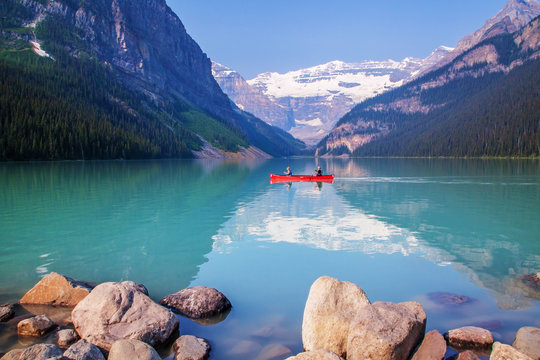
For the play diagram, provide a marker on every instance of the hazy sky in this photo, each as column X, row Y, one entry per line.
column 255, row 36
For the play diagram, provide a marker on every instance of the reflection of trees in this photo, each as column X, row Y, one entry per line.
column 109, row 221
column 476, row 213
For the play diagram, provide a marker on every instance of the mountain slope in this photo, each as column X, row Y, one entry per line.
column 485, row 102
column 308, row 102
column 156, row 75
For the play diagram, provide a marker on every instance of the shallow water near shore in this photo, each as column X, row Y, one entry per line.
column 402, row 229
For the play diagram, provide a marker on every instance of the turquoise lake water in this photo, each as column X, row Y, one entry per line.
column 402, row 229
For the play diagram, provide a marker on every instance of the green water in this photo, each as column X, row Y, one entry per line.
column 402, row 229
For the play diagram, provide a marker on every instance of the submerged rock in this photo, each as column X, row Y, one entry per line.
column 114, row 311
column 470, row 338
column 528, row 341
column 450, row 299
column 129, row 349
column 197, row 302
column 189, row 347
column 506, row 352
column 386, row 331
column 58, row 290
column 7, row 311
column 433, row 347
column 35, row 326
column 83, row 350
column 273, row 351
column 329, row 310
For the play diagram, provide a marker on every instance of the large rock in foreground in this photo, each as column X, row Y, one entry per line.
column 42, row 352
column 330, row 308
column 197, row 302
column 58, row 290
column 316, row 355
column 83, row 350
column 189, row 347
column 528, row 341
column 129, row 349
column 114, row 311
column 386, row 331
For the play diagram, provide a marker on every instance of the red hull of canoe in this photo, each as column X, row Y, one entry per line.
column 301, row 178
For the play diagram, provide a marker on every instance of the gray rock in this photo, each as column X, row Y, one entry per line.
column 83, row 350
column 528, row 341
column 469, row 338
column 115, row 311
column 129, row 349
column 433, row 347
column 41, row 352
column 506, row 352
column 386, row 331
column 6, row 312
column 58, row 290
column 66, row 337
column 35, row 326
column 189, row 347
column 329, row 310
column 14, row 354
column 197, row 302
column 316, row 355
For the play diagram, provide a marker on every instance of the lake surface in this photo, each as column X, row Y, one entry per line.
column 402, row 229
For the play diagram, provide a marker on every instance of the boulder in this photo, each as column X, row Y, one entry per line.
column 528, row 341
column 83, row 350
column 129, row 349
column 506, row 352
column 329, row 310
column 316, row 355
column 386, row 331
column 467, row 355
column 115, row 311
column 35, row 326
column 66, row 337
column 14, row 354
column 433, row 347
column 197, row 302
column 469, row 338
column 41, row 352
column 189, row 347
column 58, row 290
column 6, row 312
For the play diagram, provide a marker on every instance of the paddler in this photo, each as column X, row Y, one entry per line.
column 288, row 172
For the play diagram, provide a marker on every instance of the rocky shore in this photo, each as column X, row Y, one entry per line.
column 119, row 321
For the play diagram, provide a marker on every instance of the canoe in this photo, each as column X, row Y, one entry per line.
column 301, row 178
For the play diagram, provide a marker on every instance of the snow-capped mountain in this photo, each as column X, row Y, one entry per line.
column 308, row 102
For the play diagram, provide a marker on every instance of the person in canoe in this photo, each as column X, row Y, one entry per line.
column 318, row 171
column 288, row 172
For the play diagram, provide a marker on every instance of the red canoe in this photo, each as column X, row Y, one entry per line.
column 301, row 178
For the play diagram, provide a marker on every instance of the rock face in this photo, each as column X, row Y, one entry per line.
column 433, row 347
column 528, row 341
column 197, row 302
column 129, row 349
column 467, row 355
column 114, row 311
column 83, row 350
column 6, row 312
column 58, row 290
column 35, row 326
column 330, row 308
column 189, row 347
column 386, row 331
column 316, row 355
column 469, row 338
column 41, row 352
column 506, row 352
column 14, row 354
column 66, row 337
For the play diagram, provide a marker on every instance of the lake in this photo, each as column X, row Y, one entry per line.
column 402, row 229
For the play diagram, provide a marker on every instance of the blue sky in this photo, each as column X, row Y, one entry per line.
column 254, row 36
